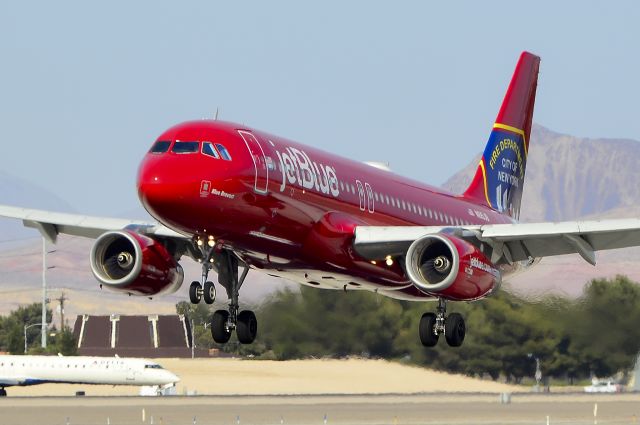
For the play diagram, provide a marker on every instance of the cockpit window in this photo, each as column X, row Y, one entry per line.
column 160, row 147
column 185, row 147
column 208, row 149
column 224, row 153
column 152, row 366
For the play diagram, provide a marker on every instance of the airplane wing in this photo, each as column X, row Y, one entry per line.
column 10, row 382
column 510, row 242
column 50, row 224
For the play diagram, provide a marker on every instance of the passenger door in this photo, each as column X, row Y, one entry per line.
column 259, row 161
column 131, row 374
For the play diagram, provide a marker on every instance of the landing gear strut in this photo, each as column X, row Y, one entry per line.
column 203, row 290
column 432, row 325
column 224, row 322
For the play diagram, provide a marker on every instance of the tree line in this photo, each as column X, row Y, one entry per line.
column 596, row 334
column 12, row 333
column 574, row 339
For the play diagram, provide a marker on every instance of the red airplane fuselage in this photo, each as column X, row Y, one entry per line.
column 290, row 209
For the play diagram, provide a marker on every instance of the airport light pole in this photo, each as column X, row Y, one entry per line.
column 43, row 339
column 25, row 334
column 43, row 332
column 193, row 340
column 538, row 374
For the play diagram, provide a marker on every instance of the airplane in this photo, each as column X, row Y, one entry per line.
column 236, row 199
column 34, row 370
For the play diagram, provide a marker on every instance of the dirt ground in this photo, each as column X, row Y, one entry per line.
column 299, row 377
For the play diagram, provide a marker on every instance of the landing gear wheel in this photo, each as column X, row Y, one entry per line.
column 195, row 292
column 3, row 392
column 247, row 327
column 209, row 293
column 454, row 330
column 219, row 330
column 428, row 335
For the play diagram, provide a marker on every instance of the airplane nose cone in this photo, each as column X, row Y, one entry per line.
column 151, row 184
column 170, row 378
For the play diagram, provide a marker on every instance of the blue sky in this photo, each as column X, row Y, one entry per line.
column 86, row 88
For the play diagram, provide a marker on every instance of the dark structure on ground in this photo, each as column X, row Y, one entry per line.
column 152, row 336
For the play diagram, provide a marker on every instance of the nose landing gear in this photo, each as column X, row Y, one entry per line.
column 432, row 325
column 202, row 290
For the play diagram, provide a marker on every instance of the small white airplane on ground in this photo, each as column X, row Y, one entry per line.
column 33, row 370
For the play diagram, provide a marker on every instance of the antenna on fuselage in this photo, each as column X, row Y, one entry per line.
column 215, row 118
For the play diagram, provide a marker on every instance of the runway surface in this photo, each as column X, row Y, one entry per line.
column 331, row 409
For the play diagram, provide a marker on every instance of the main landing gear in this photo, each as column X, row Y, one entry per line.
column 224, row 322
column 432, row 325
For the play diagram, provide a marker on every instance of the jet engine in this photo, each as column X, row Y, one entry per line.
column 447, row 266
column 129, row 262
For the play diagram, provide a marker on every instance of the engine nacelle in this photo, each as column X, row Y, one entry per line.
column 126, row 261
column 447, row 266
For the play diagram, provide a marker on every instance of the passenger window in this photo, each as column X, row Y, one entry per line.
column 160, row 147
column 185, row 147
column 209, row 150
column 224, row 153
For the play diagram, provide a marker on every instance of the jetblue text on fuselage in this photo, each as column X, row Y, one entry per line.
column 297, row 168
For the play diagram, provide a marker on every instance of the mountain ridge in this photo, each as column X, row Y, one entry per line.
column 567, row 178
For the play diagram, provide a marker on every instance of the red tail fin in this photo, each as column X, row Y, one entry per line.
column 499, row 179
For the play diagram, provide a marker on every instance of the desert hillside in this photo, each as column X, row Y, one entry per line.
column 569, row 177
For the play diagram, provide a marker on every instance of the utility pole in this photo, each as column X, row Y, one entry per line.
column 43, row 341
column 61, row 300
column 193, row 338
